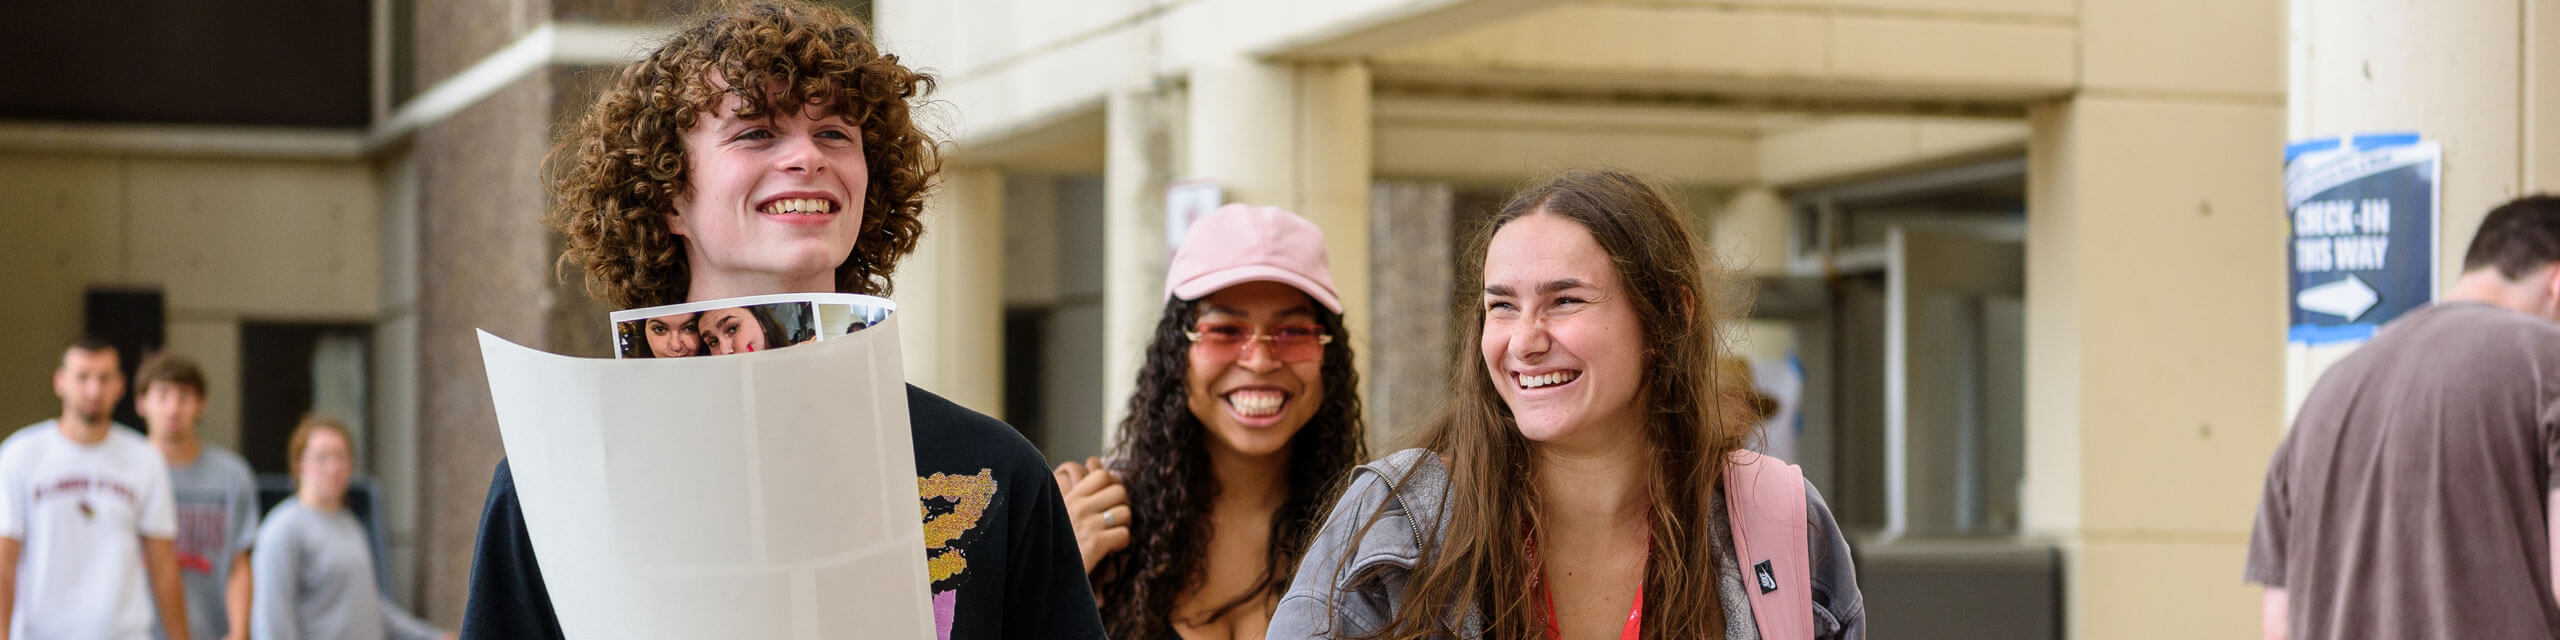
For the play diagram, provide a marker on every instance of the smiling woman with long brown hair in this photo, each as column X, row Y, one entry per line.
column 1247, row 414
column 1583, row 483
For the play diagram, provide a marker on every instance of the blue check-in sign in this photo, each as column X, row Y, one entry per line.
column 2361, row 245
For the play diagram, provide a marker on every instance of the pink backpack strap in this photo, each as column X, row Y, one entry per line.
column 1764, row 499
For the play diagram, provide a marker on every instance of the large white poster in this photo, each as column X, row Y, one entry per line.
column 759, row 495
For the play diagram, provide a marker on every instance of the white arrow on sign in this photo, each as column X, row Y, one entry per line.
column 2347, row 298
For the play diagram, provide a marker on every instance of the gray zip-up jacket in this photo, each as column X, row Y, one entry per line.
column 1350, row 585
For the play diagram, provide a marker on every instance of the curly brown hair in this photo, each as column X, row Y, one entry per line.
column 618, row 172
column 1165, row 461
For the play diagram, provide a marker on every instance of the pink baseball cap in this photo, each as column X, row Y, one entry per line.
column 1242, row 243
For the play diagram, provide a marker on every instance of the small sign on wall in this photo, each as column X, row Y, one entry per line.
column 1185, row 201
column 2361, row 246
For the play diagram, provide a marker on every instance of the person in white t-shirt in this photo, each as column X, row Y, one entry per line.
column 76, row 495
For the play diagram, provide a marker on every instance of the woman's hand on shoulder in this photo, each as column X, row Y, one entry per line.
column 1098, row 507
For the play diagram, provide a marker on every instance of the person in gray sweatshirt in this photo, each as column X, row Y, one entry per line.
column 313, row 568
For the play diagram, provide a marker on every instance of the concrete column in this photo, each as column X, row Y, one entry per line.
column 2472, row 76
column 484, row 262
column 1414, row 267
column 395, row 452
column 951, row 292
column 1332, row 157
column 1750, row 232
column 2155, row 272
column 1142, row 130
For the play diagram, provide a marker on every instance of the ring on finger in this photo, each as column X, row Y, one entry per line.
column 1110, row 518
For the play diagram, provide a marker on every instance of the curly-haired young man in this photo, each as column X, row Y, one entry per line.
column 767, row 149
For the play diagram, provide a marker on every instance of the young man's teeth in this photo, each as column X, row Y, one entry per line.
column 797, row 205
column 1255, row 403
column 1547, row 380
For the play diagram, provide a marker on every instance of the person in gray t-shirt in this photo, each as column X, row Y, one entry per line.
column 217, row 499
column 315, row 568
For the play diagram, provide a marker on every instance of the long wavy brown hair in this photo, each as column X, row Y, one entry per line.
column 1493, row 494
column 1164, row 459
column 617, row 173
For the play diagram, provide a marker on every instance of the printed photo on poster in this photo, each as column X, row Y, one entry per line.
column 764, row 495
column 741, row 325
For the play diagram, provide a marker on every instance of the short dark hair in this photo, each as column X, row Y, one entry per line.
column 172, row 369
column 2517, row 237
column 92, row 342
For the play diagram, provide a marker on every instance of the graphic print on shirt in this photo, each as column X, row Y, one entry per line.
column 202, row 530
column 89, row 491
column 952, row 505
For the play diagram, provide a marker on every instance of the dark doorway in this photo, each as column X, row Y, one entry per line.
column 1024, row 399
column 136, row 321
column 283, row 366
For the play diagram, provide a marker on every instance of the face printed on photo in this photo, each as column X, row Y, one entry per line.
column 674, row 336
column 732, row 330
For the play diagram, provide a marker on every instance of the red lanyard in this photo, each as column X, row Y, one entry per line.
column 1635, row 614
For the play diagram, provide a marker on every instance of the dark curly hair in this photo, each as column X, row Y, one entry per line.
column 1165, row 463
column 617, row 173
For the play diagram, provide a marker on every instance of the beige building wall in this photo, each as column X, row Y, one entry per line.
column 951, row 290
column 2477, row 77
column 2155, row 280
column 224, row 238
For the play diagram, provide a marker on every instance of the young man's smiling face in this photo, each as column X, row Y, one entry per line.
column 773, row 205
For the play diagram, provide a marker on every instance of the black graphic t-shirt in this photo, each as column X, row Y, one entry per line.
column 998, row 547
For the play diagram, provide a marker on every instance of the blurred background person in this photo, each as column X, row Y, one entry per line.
column 217, row 498
column 1246, row 417
column 77, row 493
column 2416, row 495
column 314, row 566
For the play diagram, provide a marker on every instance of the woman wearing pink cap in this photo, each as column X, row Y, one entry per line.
column 1246, row 416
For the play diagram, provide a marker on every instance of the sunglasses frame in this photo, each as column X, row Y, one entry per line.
column 1261, row 335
